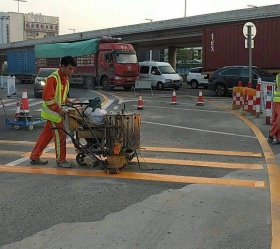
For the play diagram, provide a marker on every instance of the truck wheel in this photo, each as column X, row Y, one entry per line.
column 127, row 88
column 106, row 84
column 194, row 84
column 88, row 83
column 160, row 86
column 220, row 89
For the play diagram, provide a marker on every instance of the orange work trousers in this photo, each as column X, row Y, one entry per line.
column 275, row 129
column 45, row 138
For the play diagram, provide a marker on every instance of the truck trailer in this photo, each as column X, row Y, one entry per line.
column 21, row 64
column 225, row 46
column 102, row 62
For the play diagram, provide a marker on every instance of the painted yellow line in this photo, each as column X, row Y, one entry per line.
column 105, row 97
column 134, row 176
column 174, row 162
column 199, row 151
column 273, row 174
column 11, row 152
column 159, row 149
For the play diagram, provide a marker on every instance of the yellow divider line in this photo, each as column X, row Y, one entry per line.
column 274, row 177
column 11, row 152
column 135, row 176
column 175, row 162
column 199, row 151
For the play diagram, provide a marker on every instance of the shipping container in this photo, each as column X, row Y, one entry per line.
column 22, row 65
column 225, row 46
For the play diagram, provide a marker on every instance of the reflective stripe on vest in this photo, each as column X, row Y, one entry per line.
column 276, row 94
column 46, row 112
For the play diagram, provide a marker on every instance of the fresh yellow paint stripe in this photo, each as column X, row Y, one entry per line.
column 134, row 176
column 159, row 149
column 273, row 174
column 175, row 162
column 200, row 151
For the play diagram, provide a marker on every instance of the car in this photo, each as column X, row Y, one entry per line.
column 196, row 78
column 40, row 80
column 224, row 79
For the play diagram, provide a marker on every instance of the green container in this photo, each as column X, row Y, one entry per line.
column 95, row 103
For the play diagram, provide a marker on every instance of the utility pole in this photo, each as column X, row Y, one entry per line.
column 18, row 16
column 151, row 51
column 185, row 8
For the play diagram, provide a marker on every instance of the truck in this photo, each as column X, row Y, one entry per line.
column 21, row 64
column 224, row 45
column 102, row 62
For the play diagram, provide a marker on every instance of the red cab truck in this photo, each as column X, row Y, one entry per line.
column 102, row 62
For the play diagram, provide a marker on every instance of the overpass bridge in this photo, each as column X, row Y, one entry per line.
column 171, row 34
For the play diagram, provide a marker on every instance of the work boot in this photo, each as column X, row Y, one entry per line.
column 38, row 162
column 65, row 164
column 276, row 141
column 270, row 139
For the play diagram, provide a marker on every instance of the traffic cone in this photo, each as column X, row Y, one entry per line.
column 239, row 83
column 17, row 110
column 174, row 98
column 24, row 100
column 200, row 99
column 140, row 103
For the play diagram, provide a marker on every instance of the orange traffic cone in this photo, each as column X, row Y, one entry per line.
column 140, row 103
column 174, row 98
column 17, row 110
column 200, row 99
column 24, row 109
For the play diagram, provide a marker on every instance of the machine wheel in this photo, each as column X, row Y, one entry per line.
column 106, row 84
column 88, row 83
column 80, row 159
column 16, row 127
column 160, row 86
column 30, row 127
column 127, row 88
column 220, row 89
column 194, row 84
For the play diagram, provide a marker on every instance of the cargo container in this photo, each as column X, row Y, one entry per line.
column 103, row 62
column 22, row 65
column 225, row 46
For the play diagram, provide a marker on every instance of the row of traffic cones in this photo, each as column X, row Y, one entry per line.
column 140, row 105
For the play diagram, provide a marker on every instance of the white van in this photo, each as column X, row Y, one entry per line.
column 161, row 74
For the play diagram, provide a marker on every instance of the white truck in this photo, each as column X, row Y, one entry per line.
column 196, row 78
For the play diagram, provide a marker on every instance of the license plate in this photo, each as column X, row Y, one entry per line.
column 129, row 79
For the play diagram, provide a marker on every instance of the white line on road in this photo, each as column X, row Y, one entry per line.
column 200, row 130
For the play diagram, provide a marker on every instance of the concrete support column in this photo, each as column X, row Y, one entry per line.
column 1, row 67
column 172, row 56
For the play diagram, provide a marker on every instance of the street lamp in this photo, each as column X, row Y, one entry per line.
column 252, row 6
column 2, row 28
column 151, row 51
column 185, row 8
column 74, row 30
column 23, row 1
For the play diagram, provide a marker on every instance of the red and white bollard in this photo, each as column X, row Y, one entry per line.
column 268, row 104
column 258, row 100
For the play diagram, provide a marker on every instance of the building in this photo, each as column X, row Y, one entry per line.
column 20, row 27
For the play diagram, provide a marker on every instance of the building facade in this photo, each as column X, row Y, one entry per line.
column 20, row 27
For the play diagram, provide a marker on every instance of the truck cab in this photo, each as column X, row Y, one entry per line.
column 117, row 65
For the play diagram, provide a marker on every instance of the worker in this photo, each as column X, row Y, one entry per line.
column 54, row 95
column 274, row 133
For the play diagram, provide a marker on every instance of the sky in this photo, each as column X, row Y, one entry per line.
column 87, row 15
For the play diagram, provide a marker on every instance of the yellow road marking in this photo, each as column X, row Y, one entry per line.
column 160, row 149
column 199, row 151
column 135, row 176
column 274, row 177
column 11, row 152
column 174, row 162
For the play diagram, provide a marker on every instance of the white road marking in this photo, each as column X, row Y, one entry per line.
column 24, row 159
column 200, row 130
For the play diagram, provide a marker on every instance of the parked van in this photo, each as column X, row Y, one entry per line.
column 161, row 74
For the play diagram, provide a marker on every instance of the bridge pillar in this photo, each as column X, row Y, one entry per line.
column 172, row 56
column 2, row 66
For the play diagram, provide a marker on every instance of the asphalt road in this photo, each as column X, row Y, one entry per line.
column 204, row 181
